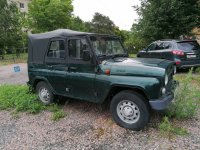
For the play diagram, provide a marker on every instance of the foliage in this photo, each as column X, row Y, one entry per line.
column 164, row 19
column 19, row 98
column 10, row 26
column 48, row 15
column 12, row 59
column 101, row 24
column 135, row 42
column 166, row 128
column 79, row 25
column 186, row 101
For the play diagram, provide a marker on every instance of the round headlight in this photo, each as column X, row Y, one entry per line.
column 166, row 79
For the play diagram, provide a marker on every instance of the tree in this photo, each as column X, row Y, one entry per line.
column 102, row 24
column 166, row 19
column 79, row 25
column 47, row 15
column 10, row 26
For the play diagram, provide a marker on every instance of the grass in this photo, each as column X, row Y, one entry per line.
column 12, row 59
column 185, row 105
column 57, row 115
column 168, row 129
column 19, row 99
column 187, row 98
column 133, row 55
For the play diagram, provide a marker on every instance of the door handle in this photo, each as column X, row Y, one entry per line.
column 49, row 66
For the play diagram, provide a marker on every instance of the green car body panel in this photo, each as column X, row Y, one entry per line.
column 93, row 80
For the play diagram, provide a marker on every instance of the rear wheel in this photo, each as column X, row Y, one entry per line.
column 130, row 110
column 44, row 93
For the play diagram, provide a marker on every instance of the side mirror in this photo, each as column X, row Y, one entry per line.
column 86, row 55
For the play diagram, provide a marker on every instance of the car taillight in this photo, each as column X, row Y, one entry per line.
column 178, row 52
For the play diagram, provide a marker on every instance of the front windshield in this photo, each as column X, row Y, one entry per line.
column 106, row 45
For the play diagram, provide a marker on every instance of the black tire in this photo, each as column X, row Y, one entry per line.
column 49, row 96
column 137, row 102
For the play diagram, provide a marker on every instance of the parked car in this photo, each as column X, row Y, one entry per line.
column 185, row 53
column 96, row 68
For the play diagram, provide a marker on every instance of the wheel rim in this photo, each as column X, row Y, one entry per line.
column 44, row 95
column 128, row 111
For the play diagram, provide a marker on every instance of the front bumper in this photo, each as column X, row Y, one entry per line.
column 163, row 102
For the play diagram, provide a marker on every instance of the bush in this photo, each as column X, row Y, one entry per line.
column 186, row 101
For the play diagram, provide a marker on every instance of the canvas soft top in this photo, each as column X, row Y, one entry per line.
column 38, row 43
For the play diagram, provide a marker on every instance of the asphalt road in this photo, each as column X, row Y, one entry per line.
column 9, row 76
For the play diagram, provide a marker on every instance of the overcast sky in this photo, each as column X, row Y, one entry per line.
column 119, row 11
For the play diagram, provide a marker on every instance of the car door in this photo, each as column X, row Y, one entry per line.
column 166, row 52
column 56, row 64
column 81, row 73
column 156, row 52
column 149, row 50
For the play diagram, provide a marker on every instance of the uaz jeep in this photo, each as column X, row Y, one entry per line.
column 96, row 68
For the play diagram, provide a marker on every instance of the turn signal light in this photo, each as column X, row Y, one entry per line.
column 107, row 71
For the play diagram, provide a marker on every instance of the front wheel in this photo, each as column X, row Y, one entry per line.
column 44, row 93
column 130, row 110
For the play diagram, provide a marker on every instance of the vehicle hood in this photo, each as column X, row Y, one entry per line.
column 136, row 66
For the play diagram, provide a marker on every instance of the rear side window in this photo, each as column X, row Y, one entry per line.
column 188, row 46
column 76, row 47
column 56, row 49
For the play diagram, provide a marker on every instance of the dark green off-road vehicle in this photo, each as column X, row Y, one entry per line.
column 96, row 68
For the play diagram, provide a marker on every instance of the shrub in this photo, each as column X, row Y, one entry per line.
column 186, row 102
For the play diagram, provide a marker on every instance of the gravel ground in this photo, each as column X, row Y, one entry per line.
column 86, row 126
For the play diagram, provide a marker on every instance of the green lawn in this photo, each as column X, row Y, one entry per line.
column 13, row 58
column 132, row 55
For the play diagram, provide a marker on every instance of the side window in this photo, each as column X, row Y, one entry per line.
column 76, row 47
column 159, row 46
column 167, row 45
column 151, row 47
column 56, row 49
